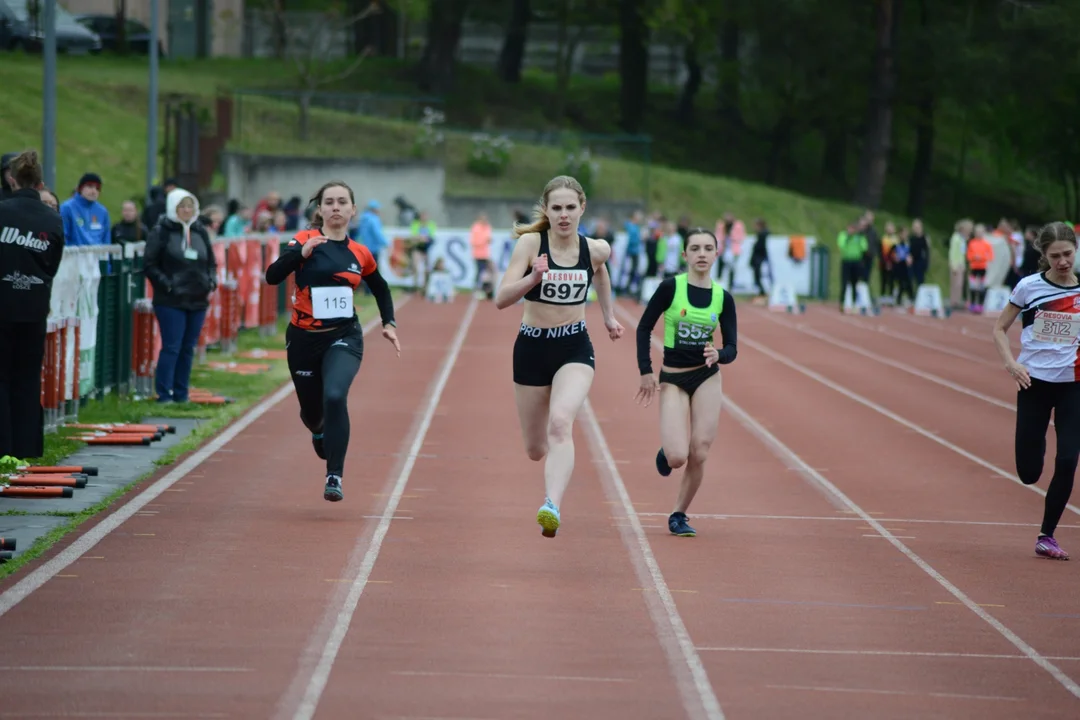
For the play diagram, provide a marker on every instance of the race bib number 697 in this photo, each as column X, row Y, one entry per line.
column 564, row 286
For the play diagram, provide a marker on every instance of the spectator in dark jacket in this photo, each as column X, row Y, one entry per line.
column 156, row 208
column 180, row 265
column 130, row 229
column 31, row 247
column 6, row 190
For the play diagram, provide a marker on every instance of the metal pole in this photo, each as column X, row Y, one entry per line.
column 152, row 110
column 401, row 30
column 48, row 140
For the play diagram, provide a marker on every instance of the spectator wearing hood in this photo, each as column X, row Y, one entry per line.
column 180, row 265
column 6, row 190
column 86, row 221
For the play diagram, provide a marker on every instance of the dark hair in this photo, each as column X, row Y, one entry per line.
column 691, row 232
column 540, row 219
column 316, row 199
column 26, row 170
column 1050, row 234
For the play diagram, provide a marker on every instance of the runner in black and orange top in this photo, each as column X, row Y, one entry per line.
column 324, row 341
column 1047, row 373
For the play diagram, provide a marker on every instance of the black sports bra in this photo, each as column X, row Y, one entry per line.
column 563, row 285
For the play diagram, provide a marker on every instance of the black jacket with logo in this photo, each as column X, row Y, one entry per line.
column 177, row 281
column 31, row 247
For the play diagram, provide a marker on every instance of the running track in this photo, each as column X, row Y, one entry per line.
column 864, row 550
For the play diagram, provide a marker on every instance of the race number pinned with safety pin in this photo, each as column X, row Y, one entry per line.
column 564, row 286
column 332, row 303
column 1060, row 328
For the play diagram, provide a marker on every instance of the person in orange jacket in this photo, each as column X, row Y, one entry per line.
column 980, row 253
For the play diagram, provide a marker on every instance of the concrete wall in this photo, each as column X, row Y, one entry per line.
column 249, row 177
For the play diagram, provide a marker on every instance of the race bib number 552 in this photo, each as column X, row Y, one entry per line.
column 692, row 334
column 1056, row 327
column 331, row 303
column 564, row 286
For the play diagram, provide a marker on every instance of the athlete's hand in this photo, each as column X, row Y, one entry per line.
column 310, row 244
column 649, row 388
column 390, row 334
column 614, row 329
column 1020, row 375
column 539, row 267
column 712, row 355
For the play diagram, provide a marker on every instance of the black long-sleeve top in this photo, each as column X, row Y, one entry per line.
column 31, row 248
column 334, row 263
column 680, row 358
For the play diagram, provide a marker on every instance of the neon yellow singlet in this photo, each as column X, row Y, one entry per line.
column 687, row 327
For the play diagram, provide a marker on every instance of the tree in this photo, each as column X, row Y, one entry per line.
column 512, row 54
column 436, row 71
column 877, row 133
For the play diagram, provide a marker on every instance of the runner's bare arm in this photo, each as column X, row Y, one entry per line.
column 515, row 283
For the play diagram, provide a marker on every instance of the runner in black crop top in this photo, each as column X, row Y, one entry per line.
column 563, row 285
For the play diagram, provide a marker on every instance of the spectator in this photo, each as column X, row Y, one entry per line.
column 422, row 237
column 212, row 219
column 630, row 275
column 853, row 250
column 920, row 252
column 86, row 221
column 889, row 239
column 239, row 219
column 49, row 198
column 901, row 263
column 874, row 255
column 180, row 264
column 156, row 208
column 980, row 253
column 371, row 229
column 670, row 250
column 759, row 255
column 130, row 229
column 958, row 262
column 480, row 242
column 6, row 190
column 31, row 248
column 271, row 203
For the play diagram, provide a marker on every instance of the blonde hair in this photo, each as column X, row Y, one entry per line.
column 540, row 219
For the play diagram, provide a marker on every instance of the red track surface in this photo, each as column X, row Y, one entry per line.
column 429, row 593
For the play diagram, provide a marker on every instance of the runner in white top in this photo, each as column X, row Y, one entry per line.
column 1047, row 373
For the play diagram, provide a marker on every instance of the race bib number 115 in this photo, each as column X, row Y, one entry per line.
column 564, row 286
column 331, row 303
column 1056, row 327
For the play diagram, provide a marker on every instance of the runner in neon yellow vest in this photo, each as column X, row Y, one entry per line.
column 694, row 307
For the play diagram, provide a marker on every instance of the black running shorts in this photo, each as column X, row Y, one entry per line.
column 540, row 352
column 690, row 380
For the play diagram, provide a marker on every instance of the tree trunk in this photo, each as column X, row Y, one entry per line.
column 513, row 50
column 633, row 65
column 874, row 160
column 121, row 28
column 443, row 34
column 779, row 161
column 685, row 111
column 280, row 39
column 835, row 155
column 728, row 86
column 924, row 155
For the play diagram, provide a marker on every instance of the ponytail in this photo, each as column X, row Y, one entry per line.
column 539, row 224
column 540, row 219
column 26, row 170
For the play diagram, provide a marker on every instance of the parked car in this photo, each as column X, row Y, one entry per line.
column 21, row 29
column 107, row 28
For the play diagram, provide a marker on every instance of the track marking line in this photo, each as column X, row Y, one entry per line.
column 698, row 696
column 124, row 668
column 871, row 691
column 85, row 542
column 883, row 653
column 783, row 451
column 115, row 714
column 902, row 537
column 948, row 602
column 889, row 332
column 342, row 618
column 851, row 395
column 903, row 367
column 510, row 676
column 1031, row 653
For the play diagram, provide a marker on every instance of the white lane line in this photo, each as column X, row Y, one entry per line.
column 892, row 416
column 780, row 448
column 698, row 697
column 872, row 691
column 789, row 455
column 84, row 543
column 903, row 367
column 882, row 653
column 124, row 668
column 361, row 571
column 509, row 676
column 829, row 518
column 889, row 332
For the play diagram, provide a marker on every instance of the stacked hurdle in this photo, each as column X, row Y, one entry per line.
column 54, row 380
column 143, row 364
column 38, row 483
column 119, row 433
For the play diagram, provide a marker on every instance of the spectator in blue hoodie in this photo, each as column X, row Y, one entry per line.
column 86, row 221
column 371, row 233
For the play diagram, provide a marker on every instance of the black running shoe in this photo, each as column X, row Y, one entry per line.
column 677, row 524
column 332, row 491
column 317, row 442
column 661, row 463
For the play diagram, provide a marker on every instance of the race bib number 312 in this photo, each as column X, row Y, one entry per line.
column 1056, row 327
column 332, row 303
column 564, row 286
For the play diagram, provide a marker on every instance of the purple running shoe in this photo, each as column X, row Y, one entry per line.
column 1047, row 547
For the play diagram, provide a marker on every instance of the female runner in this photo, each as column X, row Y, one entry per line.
column 324, row 341
column 552, row 267
column 1047, row 374
column 693, row 306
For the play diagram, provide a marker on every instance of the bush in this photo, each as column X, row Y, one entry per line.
column 489, row 156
